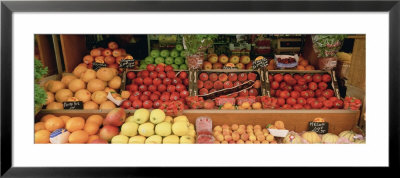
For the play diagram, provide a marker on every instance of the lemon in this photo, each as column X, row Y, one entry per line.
column 180, row 128
column 129, row 129
column 163, row 129
column 171, row 139
column 137, row 139
column 154, row 139
column 119, row 139
column 146, row 129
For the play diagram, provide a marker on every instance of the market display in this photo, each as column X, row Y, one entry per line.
column 174, row 96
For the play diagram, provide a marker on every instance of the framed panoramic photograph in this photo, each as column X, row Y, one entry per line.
column 104, row 88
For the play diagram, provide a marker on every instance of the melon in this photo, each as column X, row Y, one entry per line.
column 76, row 85
column 107, row 105
column 99, row 97
column 55, row 105
column 115, row 83
column 329, row 138
column 50, row 98
column 90, row 105
column 55, row 85
column 79, row 70
column 292, row 138
column 68, row 78
column 105, row 74
column 83, row 95
column 63, row 94
column 88, row 75
column 95, row 85
column 348, row 134
column 311, row 137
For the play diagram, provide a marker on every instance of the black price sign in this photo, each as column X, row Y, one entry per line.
column 127, row 63
column 261, row 63
column 229, row 67
column 318, row 127
column 97, row 66
column 73, row 105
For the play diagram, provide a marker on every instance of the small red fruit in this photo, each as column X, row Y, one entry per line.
column 203, row 76
column 167, row 81
column 131, row 75
column 228, row 84
column 281, row 101
column 162, row 88
column 275, row 85
column 232, row 77
column 253, row 92
column 301, row 101
column 147, row 104
column 295, row 94
column 203, row 91
column 308, row 77
column 317, row 78
column 285, row 94
column 200, row 84
column 292, row 101
column 183, row 75
column 213, row 77
column 252, row 76
column 171, row 88
column 150, row 67
column 223, row 77
column 326, row 78
column 322, row 85
column 278, row 77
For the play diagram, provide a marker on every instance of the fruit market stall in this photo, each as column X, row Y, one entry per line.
column 186, row 93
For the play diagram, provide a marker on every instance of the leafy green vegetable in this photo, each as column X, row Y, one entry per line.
column 40, row 95
column 327, row 45
column 198, row 43
column 40, row 70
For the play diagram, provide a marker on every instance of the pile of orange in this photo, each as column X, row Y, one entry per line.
column 82, row 131
column 304, row 64
column 247, row 105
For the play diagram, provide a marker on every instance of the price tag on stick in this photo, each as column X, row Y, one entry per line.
column 318, row 127
column 260, row 62
column 73, row 105
column 97, row 66
column 127, row 63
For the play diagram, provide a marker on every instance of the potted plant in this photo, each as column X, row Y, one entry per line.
column 195, row 47
column 326, row 47
column 40, row 93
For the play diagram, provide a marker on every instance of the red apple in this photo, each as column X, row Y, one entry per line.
column 150, row 67
column 147, row 81
column 171, row 88
column 213, row 77
column 161, row 88
column 203, row 76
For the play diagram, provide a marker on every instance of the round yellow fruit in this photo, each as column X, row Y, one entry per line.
column 50, row 98
column 171, row 139
column 115, row 83
column 54, row 86
column 129, row 129
column 99, row 97
column 146, row 129
column 119, row 139
column 90, row 105
column 181, row 118
column 79, row 70
column 186, row 139
column 42, row 136
column 137, row 139
column 63, row 94
column 163, row 129
column 95, row 85
column 76, row 84
column 105, row 74
column 107, row 105
column 68, row 78
column 154, row 139
column 180, row 128
column 88, row 75
column 83, row 95
column 55, row 105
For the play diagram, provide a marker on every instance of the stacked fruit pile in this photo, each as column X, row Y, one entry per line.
column 218, row 62
column 213, row 81
column 175, row 58
column 303, row 64
column 157, row 85
column 112, row 56
column 65, row 129
column 311, row 137
column 145, row 127
column 86, row 85
column 309, row 91
column 242, row 134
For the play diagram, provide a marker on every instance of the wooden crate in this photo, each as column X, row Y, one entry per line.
column 297, row 120
column 73, row 50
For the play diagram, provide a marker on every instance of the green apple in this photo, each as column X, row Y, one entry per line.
column 179, row 47
column 146, row 129
column 142, row 62
column 138, row 139
column 157, row 116
column 183, row 54
column 154, row 139
column 179, row 60
column 141, row 116
column 149, row 60
column 174, row 53
column 129, row 129
column 119, row 139
column 163, row 129
column 176, row 67
column 159, row 60
column 169, row 60
column 183, row 67
column 154, row 53
column 142, row 66
column 187, row 139
column 164, row 53
column 171, row 139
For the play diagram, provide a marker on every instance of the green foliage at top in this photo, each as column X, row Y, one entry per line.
column 40, row 70
column 327, row 45
column 198, row 43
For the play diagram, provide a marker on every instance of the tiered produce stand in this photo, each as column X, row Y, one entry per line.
column 217, row 104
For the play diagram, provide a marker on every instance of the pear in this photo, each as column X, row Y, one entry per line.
column 141, row 116
column 154, row 139
column 129, row 129
column 163, row 129
column 171, row 139
column 137, row 139
column 157, row 116
column 187, row 139
column 146, row 129
column 119, row 139
column 181, row 118
column 180, row 128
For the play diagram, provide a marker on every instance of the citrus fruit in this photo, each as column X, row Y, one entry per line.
column 75, row 123
column 91, row 128
column 93, row 137
column 47, row 116
column 42, row 136
column 64, row 118
column 39, row 126
column 54, row 123
column 96, row 119
column 78, row 136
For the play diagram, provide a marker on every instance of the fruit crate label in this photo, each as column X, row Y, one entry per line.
column 261, row 63
column 127, row 63
column 229, row 67
column 97, row 66
column 318, row 127
column 73, row 105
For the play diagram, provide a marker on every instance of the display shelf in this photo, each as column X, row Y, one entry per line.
column 339, row 120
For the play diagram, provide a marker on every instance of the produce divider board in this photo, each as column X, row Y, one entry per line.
column 297, row 120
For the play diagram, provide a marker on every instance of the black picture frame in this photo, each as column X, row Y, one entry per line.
column 8, row 7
